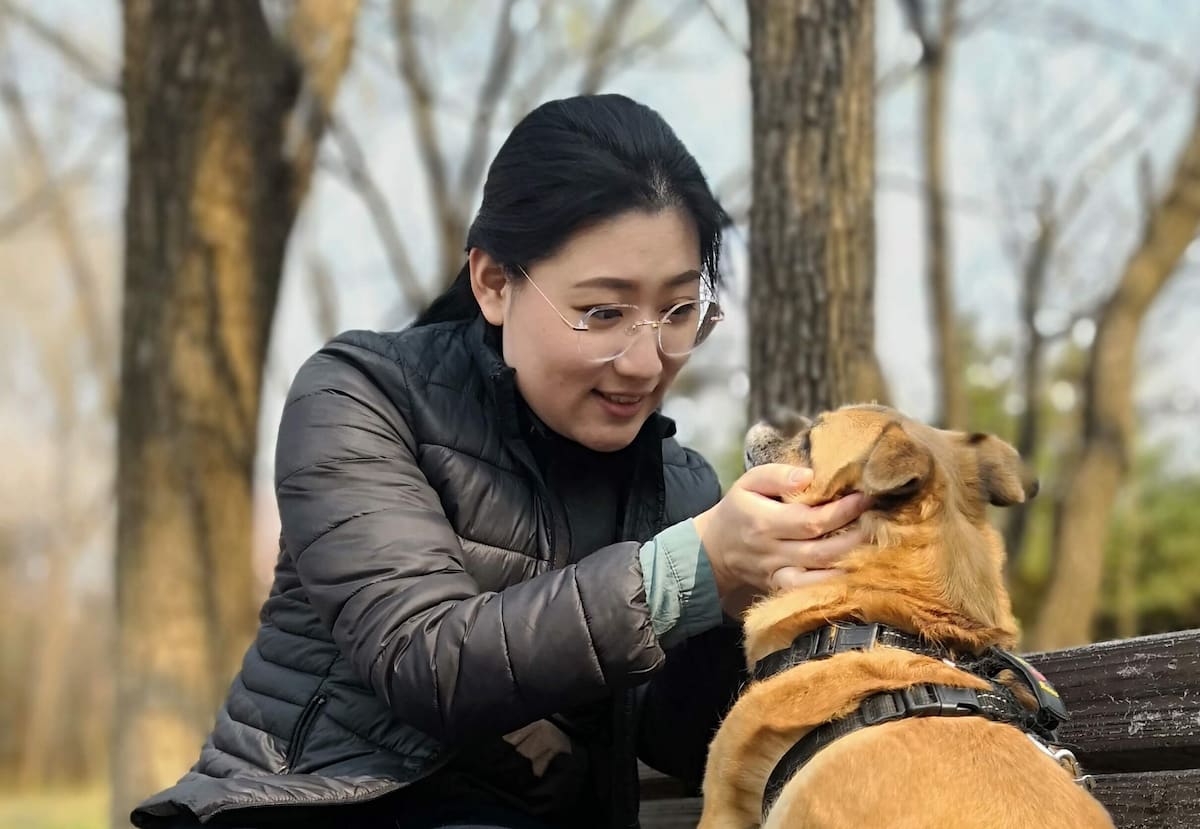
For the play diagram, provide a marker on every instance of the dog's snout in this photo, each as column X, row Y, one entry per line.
column 788, row 422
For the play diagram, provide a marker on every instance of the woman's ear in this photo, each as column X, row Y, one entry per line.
column 489, row 283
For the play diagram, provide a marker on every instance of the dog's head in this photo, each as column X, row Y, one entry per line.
column 927, row 529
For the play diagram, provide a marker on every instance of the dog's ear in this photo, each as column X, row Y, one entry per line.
column 1004, row 477
column 896, row 465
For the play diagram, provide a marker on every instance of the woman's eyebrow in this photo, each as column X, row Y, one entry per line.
column 620, row 284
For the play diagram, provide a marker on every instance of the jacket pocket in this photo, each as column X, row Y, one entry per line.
column 303, row 725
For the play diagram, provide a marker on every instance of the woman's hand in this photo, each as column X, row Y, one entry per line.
column 756, row 544
column 539, row 743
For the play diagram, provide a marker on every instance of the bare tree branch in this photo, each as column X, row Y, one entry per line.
column 659, row 36
column 532, row 88
column 28, row 208
column 102, row 339
column 498, row 73
column 1107, row 157
column 607, row 35
column 320, row 34
column 362, row 182
column 725, row 28
column 962, row 203
column 1071, row 23
column 893, row 78
column 914, row 12
column 325, row 296
column 1060, row 22
column 965, row 25
column 73, row 54
column 1033, row 280
column 421, row 94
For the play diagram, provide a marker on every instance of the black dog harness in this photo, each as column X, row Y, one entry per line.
column 925, row 700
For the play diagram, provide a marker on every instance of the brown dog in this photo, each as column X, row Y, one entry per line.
column 931, row 566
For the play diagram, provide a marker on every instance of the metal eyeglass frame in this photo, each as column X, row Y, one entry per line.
column 632, row 329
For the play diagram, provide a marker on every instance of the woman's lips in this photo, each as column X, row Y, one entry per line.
column 620, row 405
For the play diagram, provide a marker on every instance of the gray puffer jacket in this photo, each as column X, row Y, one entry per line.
column 422, row 598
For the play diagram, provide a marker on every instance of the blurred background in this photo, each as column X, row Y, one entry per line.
column 1030, row 221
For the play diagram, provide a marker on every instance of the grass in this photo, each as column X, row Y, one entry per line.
column 82, row 808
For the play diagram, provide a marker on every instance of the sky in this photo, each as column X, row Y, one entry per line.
column 1029, row 102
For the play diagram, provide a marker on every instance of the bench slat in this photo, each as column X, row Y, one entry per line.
column 674, row 813
column 1144, row 800
column 1135, row 703
column 1152, row 799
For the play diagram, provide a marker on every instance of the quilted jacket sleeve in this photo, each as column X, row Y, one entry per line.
column 382, row 567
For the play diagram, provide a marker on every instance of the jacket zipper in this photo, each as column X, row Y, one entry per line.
column 558, row 558
column 307, row 717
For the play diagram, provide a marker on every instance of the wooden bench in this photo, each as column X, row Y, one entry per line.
column 1135, row 727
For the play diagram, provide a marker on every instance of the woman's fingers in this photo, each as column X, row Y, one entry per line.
column 808, row 562
column 789, row 578
column 815, row 554
column 774, row 480
column 807, row 522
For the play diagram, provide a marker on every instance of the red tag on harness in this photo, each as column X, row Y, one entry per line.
column 1050, row 704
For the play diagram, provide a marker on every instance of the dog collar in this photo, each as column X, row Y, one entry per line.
column 842, row 637
column 925, row 700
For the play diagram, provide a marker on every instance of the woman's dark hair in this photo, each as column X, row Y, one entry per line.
column 570, row 164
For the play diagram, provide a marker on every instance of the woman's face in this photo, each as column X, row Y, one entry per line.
column 651, row 260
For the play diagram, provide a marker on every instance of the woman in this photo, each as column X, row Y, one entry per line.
column 491, row 595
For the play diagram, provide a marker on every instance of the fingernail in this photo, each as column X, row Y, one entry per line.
column 800, row 475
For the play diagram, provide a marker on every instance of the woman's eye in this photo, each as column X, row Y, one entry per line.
column 603, row 314
column 682, row 312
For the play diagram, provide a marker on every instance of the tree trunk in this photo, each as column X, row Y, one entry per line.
column 1082, row 516
column 223, row 119
column 812, row 224
column 1033, row 281
column 952, row 396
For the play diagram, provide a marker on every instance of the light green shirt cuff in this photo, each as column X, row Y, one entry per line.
column 680, row 587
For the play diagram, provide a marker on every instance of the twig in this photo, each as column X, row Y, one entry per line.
column 660, row 35
column 27, row 209
column 102, row 350
column 725, row 28
column 363, row 183
column 420, row 91
column 73, row 54
column 497, row 75
column 607, row 35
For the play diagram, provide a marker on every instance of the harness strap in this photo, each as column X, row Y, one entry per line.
column 842, row 637
column 925, row 700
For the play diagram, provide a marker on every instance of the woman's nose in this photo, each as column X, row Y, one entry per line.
column 642, row 358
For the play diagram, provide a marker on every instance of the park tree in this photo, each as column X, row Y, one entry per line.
column 224, row 112
column 812, row 224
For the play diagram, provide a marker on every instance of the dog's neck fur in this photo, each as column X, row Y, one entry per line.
column 961, row 561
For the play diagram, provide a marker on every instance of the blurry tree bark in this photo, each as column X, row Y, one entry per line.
column 1034, row 270
column 1092, row 484
column 812, row 224
column 223, row 117
column 934, row 69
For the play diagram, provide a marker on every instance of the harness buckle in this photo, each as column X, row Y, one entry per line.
column 927, row 700
column 834, row 639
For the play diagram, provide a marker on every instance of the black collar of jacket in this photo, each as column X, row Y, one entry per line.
column 841, row 637
column 923, row 700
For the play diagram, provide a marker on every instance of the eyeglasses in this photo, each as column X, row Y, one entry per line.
column 606, row 332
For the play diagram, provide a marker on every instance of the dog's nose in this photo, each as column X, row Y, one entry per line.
column 788, row 422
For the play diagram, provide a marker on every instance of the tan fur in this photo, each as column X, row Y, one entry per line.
column 931, row 565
